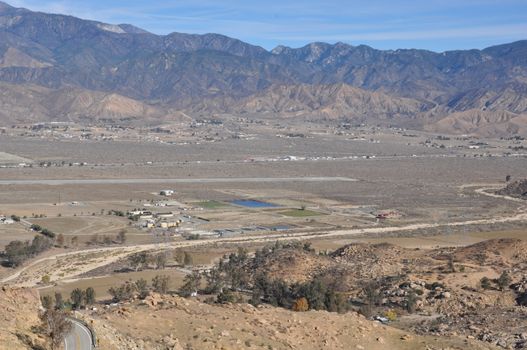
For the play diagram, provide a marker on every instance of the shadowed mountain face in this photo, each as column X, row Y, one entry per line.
column 213, row 72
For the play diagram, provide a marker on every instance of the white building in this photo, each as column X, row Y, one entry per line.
column 166, row 193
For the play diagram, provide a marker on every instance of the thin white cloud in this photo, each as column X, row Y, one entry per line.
column 295, row 22
column 514, row 30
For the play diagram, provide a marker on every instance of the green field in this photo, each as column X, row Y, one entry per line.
column 299, row 213
column 212, row 204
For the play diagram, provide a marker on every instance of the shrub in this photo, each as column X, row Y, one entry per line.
column 504, row 280
column 227, row 296
column 48, row 233
column 300, row 305
column 485, row 283
column 391, row 315
column 47, row 302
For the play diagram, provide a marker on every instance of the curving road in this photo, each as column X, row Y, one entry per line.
column 79, row 338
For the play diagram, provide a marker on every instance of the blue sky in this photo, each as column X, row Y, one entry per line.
column 436, row 25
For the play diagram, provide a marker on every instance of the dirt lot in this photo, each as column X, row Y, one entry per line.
column 421, row 184
column 13, row 232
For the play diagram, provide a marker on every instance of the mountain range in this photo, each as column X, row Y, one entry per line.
column 57, row 67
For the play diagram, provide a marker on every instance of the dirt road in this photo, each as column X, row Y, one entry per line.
column 119, row 252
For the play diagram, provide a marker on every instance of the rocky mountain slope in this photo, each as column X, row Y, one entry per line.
column 71, row 104
column 482, row 122
column 20, row 308
column 190, row 324
column 214, row 73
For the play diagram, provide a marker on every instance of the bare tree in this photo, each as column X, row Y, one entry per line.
column 161, row 261
column 187, row 260
column 60, row 240
column 121, row 236
column 56, row 326
column 47, row 302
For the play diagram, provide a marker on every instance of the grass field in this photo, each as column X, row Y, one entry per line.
column 212, row 205
column 299, row 213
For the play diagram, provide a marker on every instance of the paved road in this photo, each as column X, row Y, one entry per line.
column 520, row 216
column 176, row 181
column 79, row 338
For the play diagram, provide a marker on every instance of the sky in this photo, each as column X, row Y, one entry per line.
column 436, row 25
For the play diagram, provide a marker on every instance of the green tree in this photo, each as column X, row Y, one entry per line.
column 191, row 284
column 336, row 302
column 279, row 294
column 89, row 296
column 138, row 260
column 16, row 252
column 315, row 292
column 371, row 297
column 40, row 244
column 48, row 233
column 160, row 283
column 59, row 301
column 77, row 298
column 226, row 296
column 142, row 288
column 124, row 292
column 215, row 281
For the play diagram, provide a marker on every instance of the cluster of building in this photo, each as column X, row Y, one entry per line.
column 148, row 219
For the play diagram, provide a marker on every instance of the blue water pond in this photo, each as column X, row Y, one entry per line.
column 251, row 203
